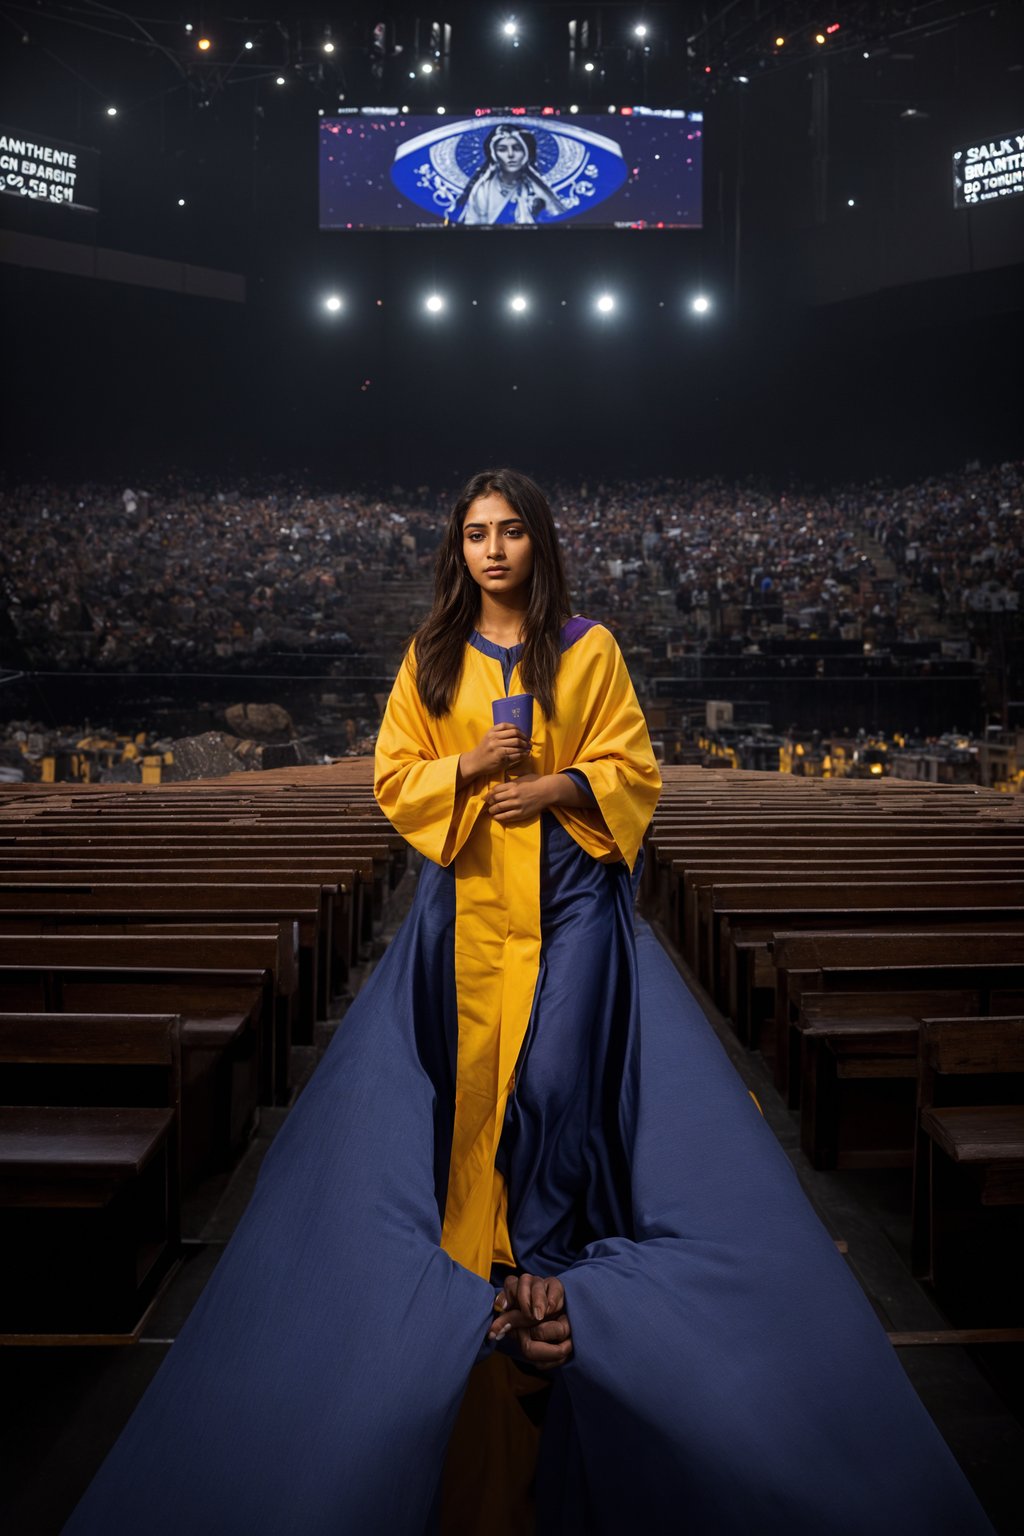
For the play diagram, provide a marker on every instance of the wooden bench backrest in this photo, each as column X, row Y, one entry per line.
column 136, row 1039
column 160, row 894
column 961, row 1002
column 991, row 1044
column 889, row 892
column 214, row 949
column 327, row 873
column 896, row 949
column 200, row 991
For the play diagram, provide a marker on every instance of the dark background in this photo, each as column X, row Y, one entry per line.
column 842, row 343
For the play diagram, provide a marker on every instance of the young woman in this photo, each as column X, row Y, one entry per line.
column 507, row 188
column 525, row 1254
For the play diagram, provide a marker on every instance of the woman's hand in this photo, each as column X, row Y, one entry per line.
column 503, row 747
column 518, row 800
column 533, row 1309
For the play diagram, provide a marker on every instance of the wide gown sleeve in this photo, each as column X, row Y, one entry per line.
column 614, row 752
column 415, row 774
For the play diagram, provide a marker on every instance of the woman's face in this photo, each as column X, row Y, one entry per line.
column 510, row 154
column 496, row 546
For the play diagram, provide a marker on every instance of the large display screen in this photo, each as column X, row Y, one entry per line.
column 48, row 170
column 629, row 168
column 987, row 171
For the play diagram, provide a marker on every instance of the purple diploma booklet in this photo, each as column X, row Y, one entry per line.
column 515, row 710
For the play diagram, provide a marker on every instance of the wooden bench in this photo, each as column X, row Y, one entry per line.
column 272, row 948
column 281, row 825
column 73, row 906
column 676, row 903
column 213, row 864
column 221, row 1022
column 969, row 1163
column 858, row 1063
column 705, row 867
column 745, row 917
column 751, row 1000
column 148, row 837
column 988, row 959
column 338, row 890
column 89, row 1174
column 816, row 865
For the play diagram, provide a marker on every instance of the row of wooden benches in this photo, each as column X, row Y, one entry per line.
column 160, row 955
column 827, row 921
column 864, row 938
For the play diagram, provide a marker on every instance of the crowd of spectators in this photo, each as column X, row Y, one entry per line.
column 179, row 578
column 174, row 578
column 959, row 538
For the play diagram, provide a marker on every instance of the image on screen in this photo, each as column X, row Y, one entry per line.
column 634, row 168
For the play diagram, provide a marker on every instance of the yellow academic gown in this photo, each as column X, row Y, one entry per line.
column 598, row 728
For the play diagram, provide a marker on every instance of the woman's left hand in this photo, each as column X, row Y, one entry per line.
column 518, row 800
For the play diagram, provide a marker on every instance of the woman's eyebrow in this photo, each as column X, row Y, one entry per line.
column 501, row 524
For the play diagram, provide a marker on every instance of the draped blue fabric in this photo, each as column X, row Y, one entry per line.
column 729, row 1375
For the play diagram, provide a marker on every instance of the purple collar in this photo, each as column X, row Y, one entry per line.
column 572, row 630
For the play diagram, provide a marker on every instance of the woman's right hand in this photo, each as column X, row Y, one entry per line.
column 535, row 1308
column 503, row 747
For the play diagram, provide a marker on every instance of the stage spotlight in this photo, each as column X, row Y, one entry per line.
column 518, row 303
column 441, row 111
column 426, row 68
column 248, row 47
column 701, row 304
column 780, row 42
column 851, row 202
column 279, row 80
column 574, row 109
column 332, row 303
column 434, row 303
column 204, row 45
column 328, row 47
column 640, row 30
column 509, row 28
column 111, row 111
column 188, row 26
column 181, row 202
column 605, row 304
column 819, row 38
column 589, row 66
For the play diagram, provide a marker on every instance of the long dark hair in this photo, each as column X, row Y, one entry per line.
column 441, row 638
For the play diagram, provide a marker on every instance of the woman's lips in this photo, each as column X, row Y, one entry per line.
column 496, row 570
